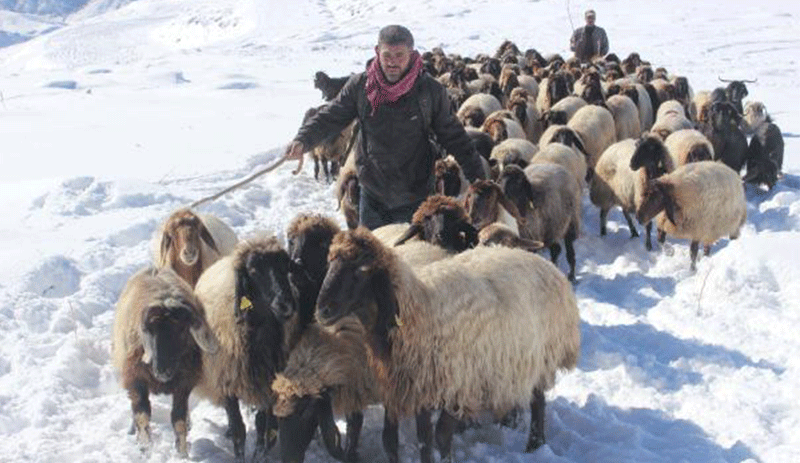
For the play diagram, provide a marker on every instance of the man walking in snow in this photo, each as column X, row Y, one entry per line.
column 398, row 107
column 590, row 40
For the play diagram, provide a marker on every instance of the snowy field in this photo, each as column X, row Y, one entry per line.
column 115, row 114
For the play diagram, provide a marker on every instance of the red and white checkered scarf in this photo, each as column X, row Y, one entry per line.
column 379, row 91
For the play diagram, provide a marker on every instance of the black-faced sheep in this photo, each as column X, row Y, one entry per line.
column 621, row 177
column 765, row 154
column 548, row 197
column 486, row 203
column 490, row 365
column 327, row 372
column 443, row 221
column 701, row 201
column 251, row 308
column 160, row 330
column 189, row 243
column 722, row 130
column 329, row 86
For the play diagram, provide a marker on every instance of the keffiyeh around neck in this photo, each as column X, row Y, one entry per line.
column 380, row 91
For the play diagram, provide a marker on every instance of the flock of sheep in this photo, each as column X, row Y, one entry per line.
column 422, row 317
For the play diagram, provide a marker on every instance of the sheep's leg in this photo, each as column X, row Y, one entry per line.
column 334, row 169
column 325, row 170
column 354, row 422
column 266, row 433
column 569, row 240
column 555, row 251
column 603, row 221
column 693, row 248
column 631, row 226
column 444, row 435
column 330, row 433
column 237, row 427
column 648, row 243
column 316, row 168
column 425, row 436
column 706, row 250
column 536, row 436
column 390, row 437
column 662, row 236
column 140, row 405
column 180, row 421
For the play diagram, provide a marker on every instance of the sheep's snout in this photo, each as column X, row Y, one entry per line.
column 189, row 255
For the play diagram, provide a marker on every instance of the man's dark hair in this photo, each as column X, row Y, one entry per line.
column 396, row 35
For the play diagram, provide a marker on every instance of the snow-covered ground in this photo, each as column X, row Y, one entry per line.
column 115, row 114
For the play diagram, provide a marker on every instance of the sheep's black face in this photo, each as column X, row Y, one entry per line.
column 723, row 115
column 516, row 187
column 310, row 252
column 296, row 430
column 346, row 289
column 481, row 206
column 653, row 202
column 266, row 282
column 448, row 230
column 166, row 337
column 448, row 182
column 736, row 91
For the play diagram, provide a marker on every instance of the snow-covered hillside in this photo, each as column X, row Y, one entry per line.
column 115, row 114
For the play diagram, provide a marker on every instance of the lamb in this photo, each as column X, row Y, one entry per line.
column 499, row 344
column 160, row 330
column 442, row 221
column 252, row 311
column 596, row 128
column 688, row 145
column 701, row 201
column 548, row 197
column 621, row 176
column 474, row 111
column 327, row 372
column 189, row 243
column 626, row 116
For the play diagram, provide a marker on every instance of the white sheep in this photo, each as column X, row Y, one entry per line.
column 688, row 145
column 626, row 116
column 670, row 118
column 189, row 243
column 548, row 198
column 513, row 151
column 621, row 176
column 159, row 332
column 563, row 155
column 499, row 341
column 700, row 201
column 474, row 111
column 596, row 128
column 569, row 105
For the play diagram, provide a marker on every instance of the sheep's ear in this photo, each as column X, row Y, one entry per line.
column 205, row 235
column 166, row 243
column 203, row 335
column 388, row 313
column 529, row 245
column 412, row 231
column 149, row 345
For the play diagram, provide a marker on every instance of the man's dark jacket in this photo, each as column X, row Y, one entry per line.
column 580, row 45
column 394, row 156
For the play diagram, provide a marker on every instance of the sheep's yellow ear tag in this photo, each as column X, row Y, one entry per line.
column 245, row 304
column 397, row 320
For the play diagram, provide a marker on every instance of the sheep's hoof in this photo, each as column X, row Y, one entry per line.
column 260, row 455
column 534, row 442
